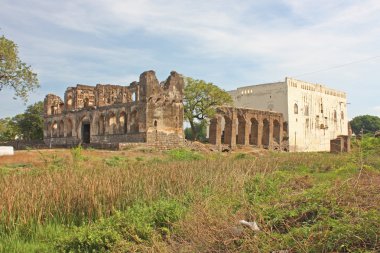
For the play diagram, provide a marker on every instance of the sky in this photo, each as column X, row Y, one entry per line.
column 230, row 43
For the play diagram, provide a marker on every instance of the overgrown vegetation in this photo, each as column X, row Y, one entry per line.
column 190, row 202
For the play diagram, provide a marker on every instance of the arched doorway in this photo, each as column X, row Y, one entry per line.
column 69, row 128
column 276, row 131
column 86, row 132
column 123, row 122
column 111, row 123
column 253, row 140
column 55, row 129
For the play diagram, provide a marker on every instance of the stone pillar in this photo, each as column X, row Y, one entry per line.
column 242, row 129
column 270, row 133
column 233, row 130
column 260, row 132
column 215, row 131
column 228, row 131
column 246, row 132
column 281, row 132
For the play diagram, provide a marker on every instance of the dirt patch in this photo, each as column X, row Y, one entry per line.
column 361, row 191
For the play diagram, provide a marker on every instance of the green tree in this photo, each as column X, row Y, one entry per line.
column 14, row 73
column 201, row 129
column 369, row 124
column 30, row 123
column 200, row 102
column 27, row 126
column 8, row 129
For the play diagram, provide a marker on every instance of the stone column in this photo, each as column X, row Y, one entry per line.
column 215, row 131
column 241, row 131
column 233, row 130
column 246, row 132
column 270, row 133
column 281, row 132
column 260, row 132
column 228, row 131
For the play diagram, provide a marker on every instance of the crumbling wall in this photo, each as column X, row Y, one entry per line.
column 106, row 115
column 53, row 105
column 248, row 127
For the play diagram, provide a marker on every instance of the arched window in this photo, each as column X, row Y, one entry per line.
column 295, row 108
column 123, row 122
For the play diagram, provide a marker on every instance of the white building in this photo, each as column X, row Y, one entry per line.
column 314, row 114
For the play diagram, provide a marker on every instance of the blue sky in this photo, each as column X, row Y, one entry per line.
column 231, row 43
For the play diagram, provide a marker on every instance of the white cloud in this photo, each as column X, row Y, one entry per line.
column 279, row 38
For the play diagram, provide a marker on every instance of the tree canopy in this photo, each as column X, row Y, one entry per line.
column 369, row 124
column 14, row 73
column 26, row 126
column 200, row 102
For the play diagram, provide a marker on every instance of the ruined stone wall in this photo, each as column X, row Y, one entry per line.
column 248, row 127
column 144, row 112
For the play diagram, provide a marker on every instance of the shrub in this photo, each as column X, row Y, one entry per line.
column 182, row 154
column 137, row 224
column 115, row 161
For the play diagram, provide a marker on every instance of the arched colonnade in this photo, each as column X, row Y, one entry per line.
column 247, row 127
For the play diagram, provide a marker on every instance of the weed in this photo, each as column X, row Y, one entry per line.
column 115, row 161
column 137, row 224
column 182, row 154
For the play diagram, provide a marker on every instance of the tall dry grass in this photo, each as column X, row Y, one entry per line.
column 79, row 191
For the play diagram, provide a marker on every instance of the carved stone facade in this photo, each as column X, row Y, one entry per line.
column 248, row 127
column 109, row 115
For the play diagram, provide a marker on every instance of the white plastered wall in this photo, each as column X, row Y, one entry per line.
column 305, row 130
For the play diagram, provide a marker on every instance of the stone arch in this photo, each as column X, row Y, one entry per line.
column 134, row 96
column 69, row 128
column 134, row 122
column 111, row 123
column 86, row 102
column 123, row 122
column 85, row 129
column 61, row 129
column 54, row 129
column 276, row 131
column 69, row 101
column 285, row 130
column 254, row 136
column 266, row 134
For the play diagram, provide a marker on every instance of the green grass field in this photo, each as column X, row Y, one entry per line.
column 184, row 201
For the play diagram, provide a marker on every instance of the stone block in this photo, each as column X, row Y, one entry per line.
column 6, row 150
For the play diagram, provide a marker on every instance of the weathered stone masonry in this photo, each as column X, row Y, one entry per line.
column 109, row 115
column 248, row 127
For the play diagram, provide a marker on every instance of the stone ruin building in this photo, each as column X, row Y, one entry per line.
column 110, row 116
column 234, row 127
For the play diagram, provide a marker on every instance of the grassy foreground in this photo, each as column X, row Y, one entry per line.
column 183, row 201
